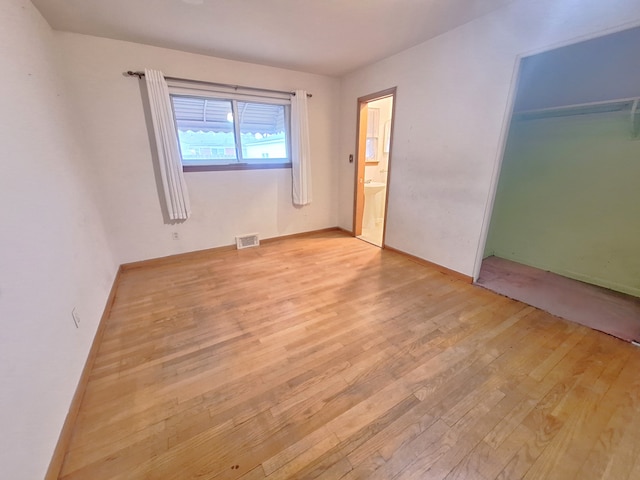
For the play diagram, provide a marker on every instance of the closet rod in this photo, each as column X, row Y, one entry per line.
column 604, row 103
column 140, row 74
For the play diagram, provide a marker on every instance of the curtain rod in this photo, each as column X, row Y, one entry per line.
column 140, row 74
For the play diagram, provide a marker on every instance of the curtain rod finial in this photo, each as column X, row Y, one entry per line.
column 135, row 74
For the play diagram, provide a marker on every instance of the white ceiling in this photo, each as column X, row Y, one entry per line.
column 330, row 37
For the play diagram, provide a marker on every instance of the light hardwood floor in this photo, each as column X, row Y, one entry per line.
column 326, row 357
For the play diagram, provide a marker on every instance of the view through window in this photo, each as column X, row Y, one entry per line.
column 227, row 133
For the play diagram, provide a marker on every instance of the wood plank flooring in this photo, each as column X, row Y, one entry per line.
column 326, row 357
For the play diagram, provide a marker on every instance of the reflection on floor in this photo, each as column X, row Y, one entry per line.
column 599, row 308
column 372, row 235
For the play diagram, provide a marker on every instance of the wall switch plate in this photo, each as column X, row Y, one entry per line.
column 76, row 317
column 175, row 235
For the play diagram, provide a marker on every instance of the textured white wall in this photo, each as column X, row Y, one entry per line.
column 54, row 253
column 110, row 109
column 451, row 111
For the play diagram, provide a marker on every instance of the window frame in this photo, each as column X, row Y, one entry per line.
column 234, row 95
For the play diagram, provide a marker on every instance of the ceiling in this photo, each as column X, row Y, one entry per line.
column 329, row 37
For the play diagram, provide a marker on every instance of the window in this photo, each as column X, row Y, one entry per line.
column 223, row 131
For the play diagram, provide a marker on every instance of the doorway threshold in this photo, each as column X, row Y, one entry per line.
column 372, row 235
column 611, row 312
column 369, row 240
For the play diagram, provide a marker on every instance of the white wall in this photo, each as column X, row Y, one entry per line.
column 110, row 108
column 451, row 111
column 54, row 254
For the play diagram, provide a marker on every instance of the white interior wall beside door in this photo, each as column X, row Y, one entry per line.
column 452, row 109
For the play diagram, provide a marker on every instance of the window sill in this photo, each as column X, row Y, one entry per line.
column 234, row 166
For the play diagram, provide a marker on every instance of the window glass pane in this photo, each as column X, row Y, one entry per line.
column 371, row 150
column 209, row 135
column 262, row 131
column 205, row 130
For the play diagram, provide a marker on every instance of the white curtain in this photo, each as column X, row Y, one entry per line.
column 175, row 188
column 300, row 150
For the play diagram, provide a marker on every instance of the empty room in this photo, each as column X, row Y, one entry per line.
column 183, row 290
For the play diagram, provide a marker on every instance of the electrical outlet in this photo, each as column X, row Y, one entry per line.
column 175, row 235
column 76, row 317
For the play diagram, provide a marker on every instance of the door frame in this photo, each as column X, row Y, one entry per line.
column 361, row 146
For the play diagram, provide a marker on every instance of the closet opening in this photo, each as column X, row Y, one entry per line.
column 565, row 223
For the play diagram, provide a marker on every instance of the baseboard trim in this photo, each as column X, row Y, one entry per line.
column 427, row 263
column 300, row 235
column 55, row 466
column 344, row 230
column 180, row 257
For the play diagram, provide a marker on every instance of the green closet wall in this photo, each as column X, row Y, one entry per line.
column 568, row 199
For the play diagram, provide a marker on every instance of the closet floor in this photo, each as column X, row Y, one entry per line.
column 611, row 312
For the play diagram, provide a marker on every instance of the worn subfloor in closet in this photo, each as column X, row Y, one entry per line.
column 605, row 310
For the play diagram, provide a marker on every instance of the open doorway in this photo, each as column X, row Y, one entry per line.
column 564, row 226
column 373, row 159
